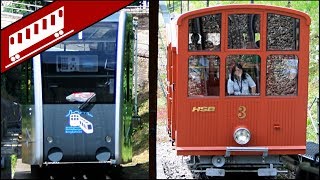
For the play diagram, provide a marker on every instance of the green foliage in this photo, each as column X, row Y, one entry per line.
column 127, row 92
column 15, row 84
column 141, row 136
column 23, row 9
column 13, row 162
column 136, row 3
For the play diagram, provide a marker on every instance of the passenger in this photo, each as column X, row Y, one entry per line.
column 194, row 42
column 240, row 81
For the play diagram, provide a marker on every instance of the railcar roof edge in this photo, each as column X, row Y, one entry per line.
column 207, row 10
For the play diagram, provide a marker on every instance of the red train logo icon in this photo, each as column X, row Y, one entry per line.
column 50, row 25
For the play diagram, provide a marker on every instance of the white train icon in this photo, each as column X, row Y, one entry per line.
column 51, row 24
column 85, row 125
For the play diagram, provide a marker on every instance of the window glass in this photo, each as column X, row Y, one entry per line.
column 282, row 32
column 84, row 63
column 204, row 33
column 244, row 31
column 243, row 75
column 282, row 75
column 204, row 74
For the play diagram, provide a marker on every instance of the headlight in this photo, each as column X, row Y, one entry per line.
column 241, row 136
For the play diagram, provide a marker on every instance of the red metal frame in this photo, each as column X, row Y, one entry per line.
column 278, row 123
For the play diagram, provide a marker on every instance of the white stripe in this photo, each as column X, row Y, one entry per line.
column 38, row 150
column 120, row 54
column 39, row 48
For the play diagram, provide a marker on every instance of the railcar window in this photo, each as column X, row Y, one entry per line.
column 85, row 62
column 282, row 32
column 204, row 73
column 282, row 75
column 243, row 75
column 244, row 31
column 204, row 33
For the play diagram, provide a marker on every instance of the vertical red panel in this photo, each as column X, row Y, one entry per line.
column 28, row 33
column 53, row 20
column 36, row 29
column 44, row 23
column 19, row 37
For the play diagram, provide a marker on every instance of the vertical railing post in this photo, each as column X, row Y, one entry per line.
column 188, row 6
column 144, row 6
column 135, row 29
column 173, row 6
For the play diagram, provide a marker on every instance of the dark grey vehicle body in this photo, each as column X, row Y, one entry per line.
column 59, row 128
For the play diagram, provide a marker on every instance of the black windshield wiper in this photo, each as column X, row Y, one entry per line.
column 88, row 104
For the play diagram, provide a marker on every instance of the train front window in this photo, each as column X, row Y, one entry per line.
column 282, row 32
column 244, row 31
column 204, row 33
column 243, row 75
column 282, row 75
column 84, row 63
column 204, row 73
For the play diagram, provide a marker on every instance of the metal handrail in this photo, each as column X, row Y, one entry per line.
column 32, row 5
column 142, row 8
column 137, row 7
column 18, row 9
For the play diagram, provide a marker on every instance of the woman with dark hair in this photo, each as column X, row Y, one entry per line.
column 240, row 81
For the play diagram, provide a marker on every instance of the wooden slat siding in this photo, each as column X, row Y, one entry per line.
column 284, row 113
column 216, row 128
column 174, row 95
column 250, row 121
column 203, row 124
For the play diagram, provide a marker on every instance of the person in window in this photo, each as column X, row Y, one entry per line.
column 239, row 82
column 195, row 37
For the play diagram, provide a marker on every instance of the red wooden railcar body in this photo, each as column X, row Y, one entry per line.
column 204, row 124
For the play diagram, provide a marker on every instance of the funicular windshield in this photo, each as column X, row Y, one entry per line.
column 243, row 69
column 82, row 65
column 204, row 70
